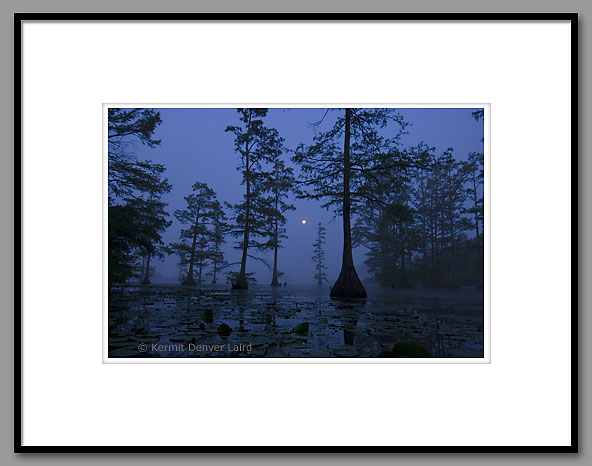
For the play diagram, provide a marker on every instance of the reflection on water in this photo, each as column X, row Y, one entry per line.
column 300, row 322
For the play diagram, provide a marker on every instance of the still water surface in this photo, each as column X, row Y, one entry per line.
column 299, row 322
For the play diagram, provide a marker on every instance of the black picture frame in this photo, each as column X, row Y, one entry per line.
column 321, row 17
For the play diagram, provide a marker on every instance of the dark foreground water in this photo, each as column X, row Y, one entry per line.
column 299, row 322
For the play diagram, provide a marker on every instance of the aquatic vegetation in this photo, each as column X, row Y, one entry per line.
column 392, row 324
column 302, row 329
column 224, row 330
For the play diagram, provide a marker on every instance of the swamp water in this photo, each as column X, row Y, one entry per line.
column 297, row 322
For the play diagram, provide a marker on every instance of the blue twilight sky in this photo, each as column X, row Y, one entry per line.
column 195, row 147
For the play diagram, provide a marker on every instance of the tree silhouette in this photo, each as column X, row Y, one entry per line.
column 197, row 214
column 341, row 173
column 136, row 215
column 280, row 183
column 319, row 255
column 217, row 233
column 256, row 145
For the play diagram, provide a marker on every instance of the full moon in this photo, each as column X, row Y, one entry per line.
column 303, row 221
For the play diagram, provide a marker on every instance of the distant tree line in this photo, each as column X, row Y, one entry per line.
column 417, row 226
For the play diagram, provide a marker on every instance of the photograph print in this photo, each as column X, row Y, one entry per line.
column 292, row 232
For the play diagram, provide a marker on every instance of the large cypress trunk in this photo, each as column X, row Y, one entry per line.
column 348, row 285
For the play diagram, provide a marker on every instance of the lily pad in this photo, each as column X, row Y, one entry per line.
column 302, row 329
column 224, row 330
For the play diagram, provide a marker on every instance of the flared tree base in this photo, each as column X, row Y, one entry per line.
column 189, row 281
column 240, row 284
column 275, row 283
column 146, row 281
column 348, row 285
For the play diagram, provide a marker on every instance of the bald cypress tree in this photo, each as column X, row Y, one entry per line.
column 279, row 184
column 136, row 215
column 196, row 215
column 256, row 145
column 340, row 166
column 318, row 256
column 126, row 175
column 217, row 233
